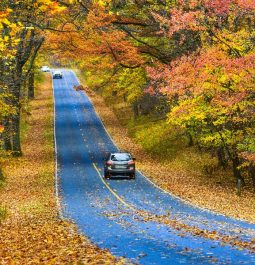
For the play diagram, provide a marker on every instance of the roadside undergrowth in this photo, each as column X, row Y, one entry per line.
column 180, row 173
column 31, row 232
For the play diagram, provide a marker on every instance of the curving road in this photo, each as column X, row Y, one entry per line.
column 120, row 214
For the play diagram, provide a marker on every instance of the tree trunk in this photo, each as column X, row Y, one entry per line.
column 190, row 139
column 125, row 97
column 1, row 174
column 252, row 174
column 15, row 89
column 135, row 109
column 7, row 145
column 16, row 145
column 236, row 171
column 31, row 86
column 222, row 162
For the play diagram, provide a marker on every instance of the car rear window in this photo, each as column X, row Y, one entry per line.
column 120, row 157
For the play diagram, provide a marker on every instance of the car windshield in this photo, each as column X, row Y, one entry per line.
column 121, row 157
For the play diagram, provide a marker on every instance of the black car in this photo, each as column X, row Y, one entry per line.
column 57, row 75
column 119, row 163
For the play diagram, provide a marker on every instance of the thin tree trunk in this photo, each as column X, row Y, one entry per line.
column 252, row 174
column 1, row 174
column 7, row 145
column 16, row 145
column 125, row 97
column 135, row 109
column 15, row 89
column 31, row 87
column 222, row 162
column 236, row 171
column 190, row 138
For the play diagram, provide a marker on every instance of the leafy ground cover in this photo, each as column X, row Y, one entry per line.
column 31, row 232
column 179, row 170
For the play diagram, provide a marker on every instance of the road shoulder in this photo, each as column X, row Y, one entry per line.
column 32, row 233
column 198, row 192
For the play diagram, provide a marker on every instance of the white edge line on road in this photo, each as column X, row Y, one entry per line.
column 154, row 184
column 59, row 208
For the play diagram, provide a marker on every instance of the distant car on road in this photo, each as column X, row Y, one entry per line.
column 45, row 68
column 119, row 163
column 57, row 75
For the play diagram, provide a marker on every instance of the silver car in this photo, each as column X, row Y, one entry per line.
column 119, row 163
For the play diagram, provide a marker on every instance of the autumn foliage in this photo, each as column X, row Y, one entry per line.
column 198, row 55
column 214, row 85
column 190, row 61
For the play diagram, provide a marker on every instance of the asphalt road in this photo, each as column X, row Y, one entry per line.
column 116, row 214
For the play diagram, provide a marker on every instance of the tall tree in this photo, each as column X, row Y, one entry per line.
column 32, row 17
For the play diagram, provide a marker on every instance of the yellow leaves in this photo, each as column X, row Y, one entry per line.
column 48, row 6
column 188, row 111
column 102, row 3
column 31, row 232
column 223, row 78
column 8, row 39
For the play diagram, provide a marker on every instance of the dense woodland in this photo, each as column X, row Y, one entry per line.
column 188, row 63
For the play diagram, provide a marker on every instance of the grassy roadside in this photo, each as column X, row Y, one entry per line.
column 31, row 233
column 178, row 171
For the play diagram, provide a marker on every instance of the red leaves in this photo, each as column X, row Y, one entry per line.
column 218, row 6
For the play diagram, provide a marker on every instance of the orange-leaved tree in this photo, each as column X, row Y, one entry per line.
column 214, row 85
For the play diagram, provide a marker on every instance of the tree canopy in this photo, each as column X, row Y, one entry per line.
column 197, row 55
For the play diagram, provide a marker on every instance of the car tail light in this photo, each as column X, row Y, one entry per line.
column 109, row 163
column 131, row 163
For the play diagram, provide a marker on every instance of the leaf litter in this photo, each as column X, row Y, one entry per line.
column 32, row 233
column 201, row 193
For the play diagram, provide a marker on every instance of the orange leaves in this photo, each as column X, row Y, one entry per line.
column 184, row 20
column 181, row 174
column 31, row 232
column 212, row 86
column 48, row 242
column 97, row 38
column 248, row 4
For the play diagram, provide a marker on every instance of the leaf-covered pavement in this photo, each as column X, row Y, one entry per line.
column 32, row 233
column 194, row 188
column 153, row 226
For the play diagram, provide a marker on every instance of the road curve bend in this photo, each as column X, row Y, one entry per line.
column 132, row 218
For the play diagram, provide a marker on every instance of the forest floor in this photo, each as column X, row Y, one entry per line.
column 31, row 232
column 182, row 173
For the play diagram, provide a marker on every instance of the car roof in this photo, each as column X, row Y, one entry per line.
column 119, row 152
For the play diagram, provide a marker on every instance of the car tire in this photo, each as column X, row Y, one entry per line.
column 132, row 176
column 106, row 176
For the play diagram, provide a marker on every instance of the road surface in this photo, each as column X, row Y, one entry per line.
column 121, row 214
